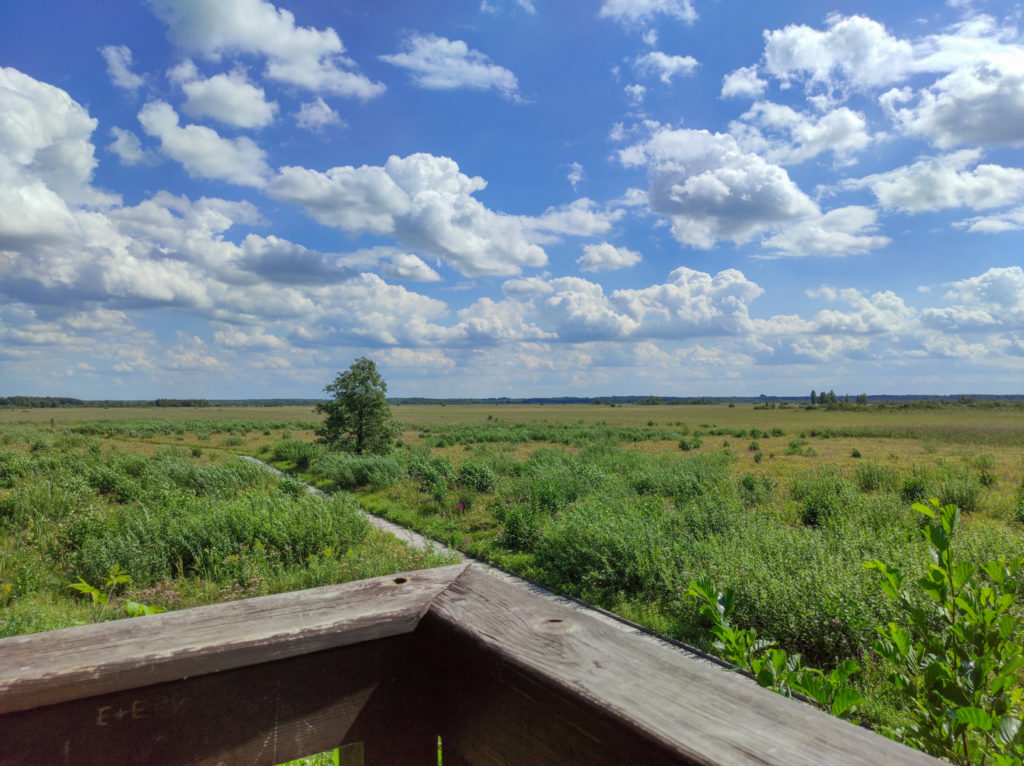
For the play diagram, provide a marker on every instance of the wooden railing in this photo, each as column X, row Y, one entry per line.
column 382, row 668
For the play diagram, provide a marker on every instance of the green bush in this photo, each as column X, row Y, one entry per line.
column 348, row 471
column 821, row 494
column 269, row 530
column 477, row 476
column 873, row 477
column 608, row 544
column 300, row 453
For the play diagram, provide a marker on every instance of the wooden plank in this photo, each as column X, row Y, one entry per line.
column 696, row 712
column 260, row 714
column 489, row 710
column 48, row 668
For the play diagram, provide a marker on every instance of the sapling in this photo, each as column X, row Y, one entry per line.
column 956, row 663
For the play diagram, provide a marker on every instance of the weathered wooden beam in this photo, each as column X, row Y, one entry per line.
column 263, row 713
column 62, row 665
column 384, row 666
column 546, row 685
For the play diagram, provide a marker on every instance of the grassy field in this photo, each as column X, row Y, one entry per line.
column 176, row 511
column 621, row 506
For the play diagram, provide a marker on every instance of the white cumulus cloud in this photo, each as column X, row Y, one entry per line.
column 119, row 67
column 202, row 151
column 229, row 98
column 605, row 257
column 303, row 56
column 711, row 189
column 437, row 63
column 317, row 115
column 666, row 66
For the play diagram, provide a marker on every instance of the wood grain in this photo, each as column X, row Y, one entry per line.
column 699, row 713
column 260, row 714
column 48, row 668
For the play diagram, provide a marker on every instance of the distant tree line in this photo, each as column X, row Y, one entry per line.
column 39, row 402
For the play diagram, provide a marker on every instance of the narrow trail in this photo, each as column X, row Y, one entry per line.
column 417, row 540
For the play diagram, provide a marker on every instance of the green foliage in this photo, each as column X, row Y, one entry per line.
column 115, row 578
column 349, row 471
column 477, row 476
column 956, row 660
column 296, row 451
column 821, row 494
column 873, row 477
column 358, row 418
column 770, row 666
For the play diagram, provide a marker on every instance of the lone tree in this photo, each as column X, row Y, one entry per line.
column 359, row 418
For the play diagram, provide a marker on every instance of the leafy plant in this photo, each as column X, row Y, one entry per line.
column 770, row 666
column 955, row 666
column 115, row 578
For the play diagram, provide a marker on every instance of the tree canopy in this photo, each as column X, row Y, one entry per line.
column 358, row 418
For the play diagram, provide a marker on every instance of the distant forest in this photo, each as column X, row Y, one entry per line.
column 33, row 402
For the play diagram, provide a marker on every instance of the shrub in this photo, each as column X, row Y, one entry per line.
column 477, row 476
column 200, row 535
column 348, row 471
column 821, row 494
column 874, row 477
column 913, row 489
column 296, row 451
column 609, row 544
column 955, row 661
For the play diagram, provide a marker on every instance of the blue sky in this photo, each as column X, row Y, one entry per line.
column 511, row 197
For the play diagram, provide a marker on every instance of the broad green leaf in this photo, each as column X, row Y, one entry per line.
column 844, row 670
column 961, row 574
column 1008, row 728
column 975, row 717
column 845, row 700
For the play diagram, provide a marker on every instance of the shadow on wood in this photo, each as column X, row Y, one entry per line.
column 385, row 666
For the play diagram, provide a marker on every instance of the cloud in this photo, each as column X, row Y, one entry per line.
column 666, row 66
column 994, row 299
column 430, row 359
column 859, row 52
column 303, row 56
column 437, row 63
column 580, row 218
column 1008, row 220
column 285, row 262
column 978, row 104
column 636, row 12
column 937, row 183
column 229, row 98
column 881, row 313
column 127, row 146
column 710, row 189
column 691, row 303
column 781, row 134
column 251, row 339
column 119, row 63
column 857, row 49
column 575, row 174
column 605, row 257
column 203, row 152
column 45, row 146
column 427, row 204
column 843, row 231
column 743, row 82
column 635, row 93
column 317, row 115
column 409, row 268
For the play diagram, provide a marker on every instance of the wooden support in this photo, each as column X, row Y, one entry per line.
column 384, row 666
